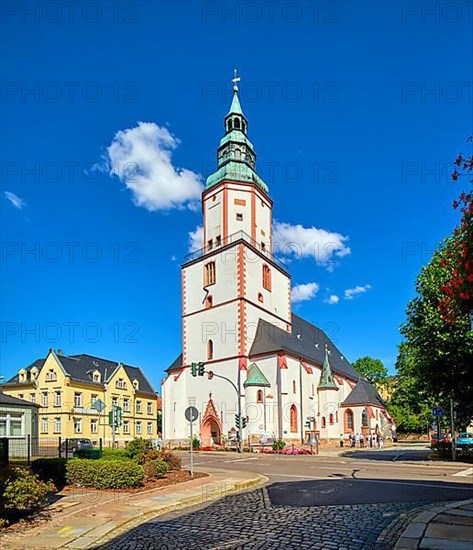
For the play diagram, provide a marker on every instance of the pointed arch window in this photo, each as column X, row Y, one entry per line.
column 348, row 417
column 293, row 418
column 324, row 423
column 210, row 349
column 230, row 124
column 259, row 396
column 330, row 418
column 236, row 123
column 364, row 418
column 209, row 274
column 209, row 302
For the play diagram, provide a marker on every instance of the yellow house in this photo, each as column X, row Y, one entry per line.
column 68, row 389
column 387, row 387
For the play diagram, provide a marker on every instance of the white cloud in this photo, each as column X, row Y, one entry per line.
column 304, row 242
column 332, row 299
column 141, row 158
column 351, row 292
column 196, row 239
column 17, row 201
column 304, row 292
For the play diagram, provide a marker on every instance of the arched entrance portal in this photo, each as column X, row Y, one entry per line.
column 211, row 426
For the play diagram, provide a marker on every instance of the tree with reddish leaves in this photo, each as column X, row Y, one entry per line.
column 458, row 289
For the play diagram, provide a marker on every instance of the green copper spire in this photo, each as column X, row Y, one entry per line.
column 255, row 377
column 327, row 381
column 236, row 156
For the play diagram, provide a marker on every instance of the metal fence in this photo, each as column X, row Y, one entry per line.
column 24, row 450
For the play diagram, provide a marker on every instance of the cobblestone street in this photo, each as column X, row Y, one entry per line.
column 249, row 520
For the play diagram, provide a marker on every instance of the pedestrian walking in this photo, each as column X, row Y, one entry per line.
column 341, row 440
column 380, row 442
column 357, row 440
column 362, row 441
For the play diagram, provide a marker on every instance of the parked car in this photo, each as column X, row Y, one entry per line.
column 444, row 438
column 73, row 444
column 464, row 438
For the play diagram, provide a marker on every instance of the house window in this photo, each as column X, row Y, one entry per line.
column 77, row 399
column 364, row 418
column 259, row 396
column 266, row 277
column 210, row 244
column 218, row 240
column 138, row 428
column 149, row 428
column 96, row 377
column 44, row 399
column 330, row 418
column 126, row 427
column 336, row 416
column 239, row 217
column 121, row 384
column 208, row 302
column 77, row 425
column 149, row 407
column 293, row 386
column 94, row 398
column 57, row 425
column 44, row 425
column 138, row 407
column 114, row 401
column 51, row 375
column 33, row 397
column 57, row 398
column 210, row 349
column 324, row 423
column 11, row 425
column 20, row 396
column 209, row 275
column 136, row 384
column 293, row 418
column 94, row 426
column 126, row 405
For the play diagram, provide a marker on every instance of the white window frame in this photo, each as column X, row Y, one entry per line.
column 139, row 408
column 94, row 426
column 44, row 425
column 7, row 418
column 44, row 399
column 139, row 428
column 57, row 398
column 149, row 428
column 126, row 427
column 79, row 423
column 149, row 407
column 126, row 404
column 78, row 399
column 57, row 425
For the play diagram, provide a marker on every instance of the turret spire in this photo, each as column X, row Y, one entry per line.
column 327, row 381
column 236, row 156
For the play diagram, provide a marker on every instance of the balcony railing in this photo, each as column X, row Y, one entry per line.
column 232, row 239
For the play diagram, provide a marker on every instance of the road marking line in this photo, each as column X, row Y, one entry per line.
column 240, row 459
column 464, row 473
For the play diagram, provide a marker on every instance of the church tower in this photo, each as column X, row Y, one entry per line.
column 234, row 280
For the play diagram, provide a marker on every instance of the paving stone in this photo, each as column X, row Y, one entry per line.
column 443, row 544
column 453, row 519
column 405, row 543
column 449, row 532
column 414, row 530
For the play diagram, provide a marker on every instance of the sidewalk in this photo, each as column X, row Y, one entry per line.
column 440, row 528
column 84, row 519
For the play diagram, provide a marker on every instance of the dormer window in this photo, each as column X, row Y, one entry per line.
column 96, row 376
column 34, row 373
column 136, row 384
column 121, row 384
column 22, row 375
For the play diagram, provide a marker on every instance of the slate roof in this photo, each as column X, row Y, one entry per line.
column 364, row 394
column 176, row 364
column 306, row 341
column 80, row 367
column 10, row 400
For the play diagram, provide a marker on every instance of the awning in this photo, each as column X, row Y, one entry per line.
column 307, row 368
column 282, row 362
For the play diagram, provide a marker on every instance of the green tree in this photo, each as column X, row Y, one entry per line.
column 441, row 351
column 371, row 369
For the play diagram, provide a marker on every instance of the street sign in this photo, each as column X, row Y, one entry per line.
column 191, row 414
column 437, row 411
column 115, row 417
column 98, row 405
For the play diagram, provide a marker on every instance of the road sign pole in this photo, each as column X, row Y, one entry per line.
column 192, row 449
column 452, row 421
column 114, row 413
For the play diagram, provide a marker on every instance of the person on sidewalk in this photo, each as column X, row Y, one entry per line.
column 341, row 440
column 362, row 441
column 357, row 440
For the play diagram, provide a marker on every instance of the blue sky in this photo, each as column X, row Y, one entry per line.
column 375, row 97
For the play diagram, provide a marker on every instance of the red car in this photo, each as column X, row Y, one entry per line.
column 444, row 438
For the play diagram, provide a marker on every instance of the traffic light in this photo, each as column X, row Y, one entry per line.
column 237, row 421
column 243, row 420
column 240, row 424
column 194, row 369
column 307, row 424
column 201, row 369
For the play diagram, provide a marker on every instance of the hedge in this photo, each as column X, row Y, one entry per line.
column 114, row 454
column 51, row 469
column 155, row 469
column 104, row 474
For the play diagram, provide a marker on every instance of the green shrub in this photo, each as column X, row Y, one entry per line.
column 155, row 469
column 137, row 448
column 278, row 445
column 91, row 454
column 51, row 469
column 23, row 493
column 104, row 474
column 172, row 460
column 196, row 443
column 114, row 454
